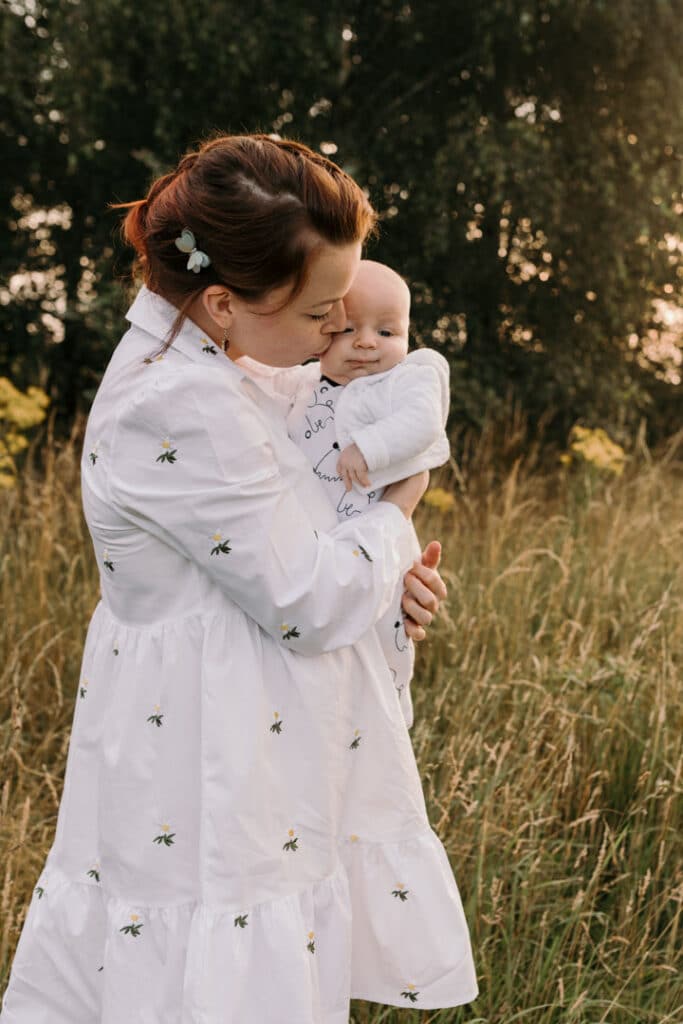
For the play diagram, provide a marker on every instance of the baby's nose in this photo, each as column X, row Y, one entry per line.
column 366, row 339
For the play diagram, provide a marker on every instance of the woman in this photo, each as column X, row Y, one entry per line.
column 242, row 833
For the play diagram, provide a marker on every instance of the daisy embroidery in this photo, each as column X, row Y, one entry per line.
column 95, row 452
column 168, row 453
column 277, row 724
column 241, row 920
column 400, row 892
column 156, row 717
column 94, row 871
column 133, row 928
column 289, row 631
column 207, row 346
column 311, row 942
column 410, row 993
column 165, row 837
column 356, row 739
column 108, row 564
column 291, row 842
column 222, row 547
column 83, row 688
column 360, row 550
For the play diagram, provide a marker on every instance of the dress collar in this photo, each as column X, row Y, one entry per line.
column 155, row 315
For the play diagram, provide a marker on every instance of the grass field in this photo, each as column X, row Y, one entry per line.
column 548, row 722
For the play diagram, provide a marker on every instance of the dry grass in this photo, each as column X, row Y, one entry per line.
column 548, row 724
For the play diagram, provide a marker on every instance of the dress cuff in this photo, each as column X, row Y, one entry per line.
column 404, row 530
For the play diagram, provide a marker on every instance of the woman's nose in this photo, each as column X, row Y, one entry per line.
column 336, row 321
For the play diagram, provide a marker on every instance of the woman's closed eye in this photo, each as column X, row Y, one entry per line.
column 320, row 316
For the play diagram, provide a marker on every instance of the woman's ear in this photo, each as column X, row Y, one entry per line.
column 218, row 303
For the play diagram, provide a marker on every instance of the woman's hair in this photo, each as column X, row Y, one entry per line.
column 255, row 206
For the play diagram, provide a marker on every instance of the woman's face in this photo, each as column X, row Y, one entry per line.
column 304, row 328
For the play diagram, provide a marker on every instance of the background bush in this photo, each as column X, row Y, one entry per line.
column 525, row 156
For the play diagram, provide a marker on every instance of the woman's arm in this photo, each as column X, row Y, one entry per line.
column 192, row 463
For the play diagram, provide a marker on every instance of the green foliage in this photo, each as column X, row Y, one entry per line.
column 525, row 157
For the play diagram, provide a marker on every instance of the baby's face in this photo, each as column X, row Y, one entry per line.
column 376, row 334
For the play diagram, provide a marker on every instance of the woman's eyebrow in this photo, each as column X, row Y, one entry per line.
column 323, row 302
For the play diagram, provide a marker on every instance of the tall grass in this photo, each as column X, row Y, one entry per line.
column 548, row 721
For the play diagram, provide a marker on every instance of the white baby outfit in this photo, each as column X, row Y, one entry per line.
column 398, row 417
column 242, row 834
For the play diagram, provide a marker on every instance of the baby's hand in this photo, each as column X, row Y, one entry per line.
column 352, row 466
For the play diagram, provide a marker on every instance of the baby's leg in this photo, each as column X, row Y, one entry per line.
column 399, row 652
column 398, row 648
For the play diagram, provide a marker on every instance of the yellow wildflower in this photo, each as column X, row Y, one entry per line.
column 18, row 412
column 438, row 498
column 596, row 447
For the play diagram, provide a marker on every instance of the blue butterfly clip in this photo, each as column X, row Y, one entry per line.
column 186, row 243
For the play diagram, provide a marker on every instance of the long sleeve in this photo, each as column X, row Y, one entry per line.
column 193, row 463
column 414, row 423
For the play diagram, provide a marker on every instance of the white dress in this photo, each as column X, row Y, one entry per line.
column 242, row 834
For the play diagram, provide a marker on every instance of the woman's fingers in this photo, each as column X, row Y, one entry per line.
column 422, row 616
column 422, row 594
column 431, row 556
column 424, row 590
column 425, row 582
column 412, row 629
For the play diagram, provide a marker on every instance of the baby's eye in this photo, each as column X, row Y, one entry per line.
column 348, row 330
column 386, row 334
column 321, row 316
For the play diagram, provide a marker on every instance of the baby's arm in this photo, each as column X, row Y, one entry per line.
column 415, row 422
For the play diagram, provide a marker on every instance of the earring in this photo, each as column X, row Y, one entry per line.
column 225, row 341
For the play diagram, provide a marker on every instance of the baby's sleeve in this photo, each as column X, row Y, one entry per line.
column 193, row 463
column 414, row 423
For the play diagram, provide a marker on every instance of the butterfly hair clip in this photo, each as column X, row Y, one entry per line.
column 197, row 259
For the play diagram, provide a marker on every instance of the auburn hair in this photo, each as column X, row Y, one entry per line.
column 255, row 205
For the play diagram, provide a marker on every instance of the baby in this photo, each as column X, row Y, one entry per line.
column 371, row 413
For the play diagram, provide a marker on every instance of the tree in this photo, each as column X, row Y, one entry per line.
column 525, row 158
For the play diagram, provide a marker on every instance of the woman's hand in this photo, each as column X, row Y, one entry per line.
column 424, row 590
